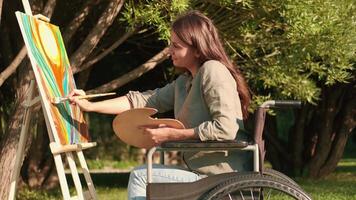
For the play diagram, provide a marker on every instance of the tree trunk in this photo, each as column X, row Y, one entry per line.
column 96, row 34
column 9, row 142
column 319, row 136
column 344, row 123
column 328, row 108
column 317, row 140
column 39, row 162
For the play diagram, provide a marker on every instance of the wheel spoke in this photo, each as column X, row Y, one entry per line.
column 243, row 198
column 257, row 187
column 230, row 197
column 251, row 192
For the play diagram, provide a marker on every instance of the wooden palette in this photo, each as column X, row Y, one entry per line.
column 128, row 126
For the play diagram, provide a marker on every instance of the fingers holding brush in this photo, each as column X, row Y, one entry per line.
column 76, row 92
column 79, row 97
column 74, row 98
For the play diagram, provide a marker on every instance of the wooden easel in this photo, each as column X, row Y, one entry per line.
column 56, row 147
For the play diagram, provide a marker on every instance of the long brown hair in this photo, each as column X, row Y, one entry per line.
column 199, row 32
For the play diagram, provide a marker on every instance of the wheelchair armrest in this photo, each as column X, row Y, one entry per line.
column 197, row 144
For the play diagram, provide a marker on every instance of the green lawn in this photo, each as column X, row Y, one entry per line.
column 339, row 185
column 106, row 193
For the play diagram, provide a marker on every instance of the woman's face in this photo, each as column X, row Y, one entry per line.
column 183, row 55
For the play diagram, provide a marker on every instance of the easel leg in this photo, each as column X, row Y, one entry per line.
column 75, row 175
column 22, row 142
column 62, row 177
column 86, row 173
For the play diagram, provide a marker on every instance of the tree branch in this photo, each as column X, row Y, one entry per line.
column 13, row 66
column 49, row 8
column 47, row 11
column 78, row 20
column 96, row 34
column 107, row 51
column 134, row 74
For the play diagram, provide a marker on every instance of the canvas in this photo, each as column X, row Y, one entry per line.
column 54, row 79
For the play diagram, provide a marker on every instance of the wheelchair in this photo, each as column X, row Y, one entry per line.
column 259, row 184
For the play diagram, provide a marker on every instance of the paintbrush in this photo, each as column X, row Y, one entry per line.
column 58, row 100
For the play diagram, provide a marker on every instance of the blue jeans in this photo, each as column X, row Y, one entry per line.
column 160, row 173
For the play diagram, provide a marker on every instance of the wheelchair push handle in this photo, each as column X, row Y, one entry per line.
column 282, row 104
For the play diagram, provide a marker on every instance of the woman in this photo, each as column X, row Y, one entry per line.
column 211, row 99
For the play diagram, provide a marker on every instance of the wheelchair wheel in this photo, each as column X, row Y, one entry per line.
column 255, row 187
column 280, row 175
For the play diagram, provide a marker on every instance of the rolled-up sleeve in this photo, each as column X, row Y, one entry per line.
column 161, row 99
column 219, row 92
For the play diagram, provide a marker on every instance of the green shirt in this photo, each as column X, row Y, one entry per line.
column 209, row 103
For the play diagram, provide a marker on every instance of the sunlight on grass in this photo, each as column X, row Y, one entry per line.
column 111, row 164
column 106, row 193
column 339, row 185
column 112, row 193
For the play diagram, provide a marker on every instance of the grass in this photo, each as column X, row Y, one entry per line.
column 111, row 164
column 106, row 193
column 339, row 185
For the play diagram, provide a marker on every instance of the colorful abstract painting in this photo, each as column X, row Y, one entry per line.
column 54, row 78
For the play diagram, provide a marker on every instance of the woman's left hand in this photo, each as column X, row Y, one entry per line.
column 158, row 134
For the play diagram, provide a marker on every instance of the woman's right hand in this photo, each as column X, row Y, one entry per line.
column 84, row 104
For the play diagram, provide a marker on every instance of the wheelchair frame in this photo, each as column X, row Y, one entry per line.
column 157, row 191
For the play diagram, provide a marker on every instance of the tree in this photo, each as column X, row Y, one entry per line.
column 86, row 48
column 283, row 48
column 303, row 50
column 9, row 140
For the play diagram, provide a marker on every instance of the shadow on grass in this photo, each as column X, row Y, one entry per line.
column 346, row 169
column 105, row 179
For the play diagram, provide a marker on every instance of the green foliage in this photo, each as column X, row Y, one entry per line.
column 326, row 31
column 111, row 164
column 28, row 194
column 292, row 49
column 287, row 49
column 96, row 164
column 157, row 14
